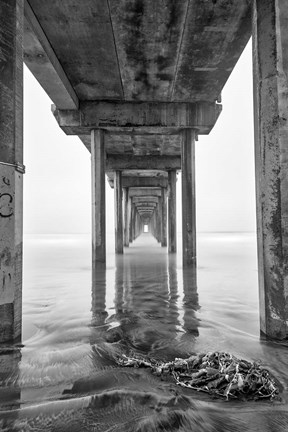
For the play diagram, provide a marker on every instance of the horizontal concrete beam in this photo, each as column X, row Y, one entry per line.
column 126, row 115
column 141, row 209
column 40, row 58
column 145, row 211
column 150, row 199
column 142, row 182
column 156, row 192
column 145, row 204
column 124, row 162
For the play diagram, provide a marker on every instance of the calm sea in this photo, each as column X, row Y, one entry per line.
column 65, row 377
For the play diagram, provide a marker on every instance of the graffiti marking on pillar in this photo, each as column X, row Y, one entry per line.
column 6, row 209
column 6, row 181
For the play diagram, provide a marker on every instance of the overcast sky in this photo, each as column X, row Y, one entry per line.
column 57, row 192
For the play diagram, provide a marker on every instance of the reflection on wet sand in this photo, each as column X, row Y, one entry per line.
column 147, row 297
column 10, row 392
column 70, row 379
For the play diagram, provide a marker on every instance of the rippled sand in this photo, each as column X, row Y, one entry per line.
column 65, row 377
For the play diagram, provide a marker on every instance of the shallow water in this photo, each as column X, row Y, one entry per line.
column 65, row 377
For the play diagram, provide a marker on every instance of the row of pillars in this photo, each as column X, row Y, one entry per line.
column 129, row 225
column 270, row 63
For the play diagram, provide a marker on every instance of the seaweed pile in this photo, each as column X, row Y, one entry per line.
column 220, row 374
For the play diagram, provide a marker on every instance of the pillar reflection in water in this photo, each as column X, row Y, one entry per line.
column 10, row 392
column 190, row 301
column 99, row 312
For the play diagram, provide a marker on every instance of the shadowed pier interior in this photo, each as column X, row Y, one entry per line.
column 139, row 82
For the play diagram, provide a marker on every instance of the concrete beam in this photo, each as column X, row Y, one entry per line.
column 145, row 204
column 40, row 58
column 146, row 208
column 126, row 162
column 150, row 199
column 128, row 182
column 140, row 192
column 148, row 115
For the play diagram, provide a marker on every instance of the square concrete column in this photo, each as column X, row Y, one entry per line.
column 270, row 70
column 98, row 197
column 118, row 199
column 172, row 225
column 188, row 198
column 164, row 217
column 11, row 168
column 127, row 216
column 132, row 224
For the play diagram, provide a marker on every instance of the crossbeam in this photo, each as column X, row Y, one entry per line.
column 125, row 162
column 126, row 115
column 146, row 198
column 133, row 192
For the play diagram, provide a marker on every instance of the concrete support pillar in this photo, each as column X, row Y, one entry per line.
column 131, row 223
column 98, row 198
column 188, row 198
column 118, row 212
column 133, row 217
column 11, row 168
column 164, row 217
column 172, row 224
column 127, row 216
column 270, row 70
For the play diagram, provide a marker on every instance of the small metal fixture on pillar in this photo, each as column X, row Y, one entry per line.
column 11, row 168
column 270, row 70
column 98, row 197
column 188, row 198
column 118, row 212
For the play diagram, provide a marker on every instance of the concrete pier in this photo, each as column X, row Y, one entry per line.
column 118, row 212
column 270, row 64
column 11, row 168
column 188, row 198
column 137, row 112
column 98, row 197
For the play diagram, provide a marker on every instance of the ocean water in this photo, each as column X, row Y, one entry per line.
column 65, row 377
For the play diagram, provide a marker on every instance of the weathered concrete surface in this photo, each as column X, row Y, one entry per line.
column 110, row 115
column 145, row 204
column 98, row 198
column 118, row 213
column 270, row 63
column 172, row 213
column 40, row 58
column 149, row 50
column 188, row 199
column 127, row 214
column 11, row 182
column 124, row 162
column 143, row 192
column 164, row 217
column 86, row 27
column 144, row 182
column 145, row 198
